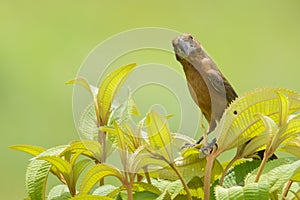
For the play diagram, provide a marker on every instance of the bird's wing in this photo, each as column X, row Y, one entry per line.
column 216, row 80
column 221, row 85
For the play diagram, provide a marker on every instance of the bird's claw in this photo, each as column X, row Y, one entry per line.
column 188, row 145
column 207, row 149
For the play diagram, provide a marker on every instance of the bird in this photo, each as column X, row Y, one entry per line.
column 208, row 87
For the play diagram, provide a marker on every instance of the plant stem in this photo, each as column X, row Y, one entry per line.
column 286, row 189
column 147, row 175
column 102, row 141
column 261, row 167
column 188, row 193
column 128, row 183
column 129, row 192
column 210, row 158
column 226, row 169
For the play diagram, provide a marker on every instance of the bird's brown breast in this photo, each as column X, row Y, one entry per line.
column 198, row 88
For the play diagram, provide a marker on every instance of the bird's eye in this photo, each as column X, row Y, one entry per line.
column 191, row 37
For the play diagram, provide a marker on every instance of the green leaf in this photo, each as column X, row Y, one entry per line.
column 252, row 191
column 59, row 192
column 89, row 148
column 88, row 124
column 121, row 139
column 159, row 135
column 254, row 145
column 79, row 167
column 236, row 175
column 196, row 188
column 63, row 166
column 36, row 178
column 139, row 160
column 33, row 150
column 104, row 190
column 95, row 174
column 54, row 151
column 136, row 187
column 277, row 177
column 145, row 195
column 84, row 83
column 283, row 108
column 189, row 167
column 294, row 189
column 109, row 87
column 179, row 139
column 239, row 122
column 123, row 112
column 90, row 197
column 269, row 124
column 293, row 147
column 174, row 188
column 141, row 186
column 288, row 131
column 133, row 139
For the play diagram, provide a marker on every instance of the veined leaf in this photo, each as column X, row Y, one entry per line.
column 88, row 124
column 137, row 187
column 121, row 139
column 122, row 112
column 145, row 195
column 159, row 135
column 89, row 148
column 175, row 188
column 33, row 150
column 104, row 190
column 84, row 83
column 283, row 108
column 54, row 151
column 254, row 145
column 236, row 175
column 134, row 141
column 63, row 166
column 142, row 160
column 141, row 186
column 277, row 177
column 79, row 167
column 289, row 131
column 59, row 192
column 296, row 176
column 36, row 178
column 90, row 197
column 251, row 191
column 196, row 189
column 189, row 167
column 269, row 124
column 179, row 140
column 109, row 87
column 293, row 147
column 239, row 123
column 294, row 190
column 95, row 174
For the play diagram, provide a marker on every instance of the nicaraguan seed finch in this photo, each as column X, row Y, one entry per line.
column 209, row 88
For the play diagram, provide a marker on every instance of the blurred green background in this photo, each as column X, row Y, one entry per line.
column 42, row 44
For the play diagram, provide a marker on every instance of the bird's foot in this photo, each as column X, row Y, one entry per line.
column 189, row 145
column 207, row 149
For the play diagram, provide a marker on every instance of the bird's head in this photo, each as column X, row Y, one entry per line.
column 187, row 47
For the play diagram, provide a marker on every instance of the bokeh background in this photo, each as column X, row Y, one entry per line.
column 43, row 43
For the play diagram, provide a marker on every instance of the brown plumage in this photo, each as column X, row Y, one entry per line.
column 209, row 88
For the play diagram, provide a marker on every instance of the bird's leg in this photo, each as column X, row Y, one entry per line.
column 203, row 130
column 208, row 148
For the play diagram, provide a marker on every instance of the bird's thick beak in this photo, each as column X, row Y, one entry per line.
column 183, row 47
